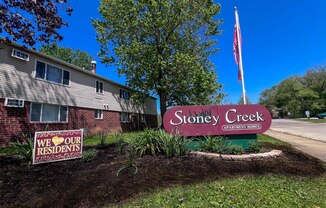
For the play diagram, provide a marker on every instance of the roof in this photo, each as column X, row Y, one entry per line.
column 69, row 65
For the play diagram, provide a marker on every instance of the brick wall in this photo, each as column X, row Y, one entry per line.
column 14, row 122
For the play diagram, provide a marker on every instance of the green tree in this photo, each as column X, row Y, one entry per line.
column 162, row 47
column 75, row 57
column 296, row 94
column 31, row 21
column 287, row 96
column 315, row 80
column 240, row 101
column 267, row 98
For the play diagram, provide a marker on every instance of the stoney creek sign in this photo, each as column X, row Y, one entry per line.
column 217, row 120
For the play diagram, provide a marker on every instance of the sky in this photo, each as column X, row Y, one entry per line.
column 280, row 38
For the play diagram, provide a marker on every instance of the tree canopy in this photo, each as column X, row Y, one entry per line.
column 240, row 101
column 31, row 21
column 162, row 47
column 75, row 57
column 297, row 94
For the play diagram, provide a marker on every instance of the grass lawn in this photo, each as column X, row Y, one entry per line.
column 90, row 140
column 246, row 191
column 110, row 139
column 6, row 150
column 262, row 138
column 312, row 120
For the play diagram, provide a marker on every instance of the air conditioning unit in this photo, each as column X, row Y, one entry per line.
column 17, row 103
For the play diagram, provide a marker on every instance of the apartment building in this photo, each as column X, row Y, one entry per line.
column 39, row 92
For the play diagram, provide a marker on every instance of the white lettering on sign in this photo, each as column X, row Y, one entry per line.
column 180, row 119
column 233, row 127
column 227, row 115
column 245, row 117
column 231, row 117
column 183, row 119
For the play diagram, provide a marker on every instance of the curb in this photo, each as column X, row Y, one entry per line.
column 245, row 157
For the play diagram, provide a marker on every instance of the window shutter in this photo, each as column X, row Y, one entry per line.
column 101, row 87
column 66, row 77
column 40, row 70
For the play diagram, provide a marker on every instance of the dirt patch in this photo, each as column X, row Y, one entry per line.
column 78, row 184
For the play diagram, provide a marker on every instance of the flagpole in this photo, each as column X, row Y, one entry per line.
column 240, row 55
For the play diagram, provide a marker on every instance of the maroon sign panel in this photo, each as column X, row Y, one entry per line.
column 217, row 120
column 51, row 146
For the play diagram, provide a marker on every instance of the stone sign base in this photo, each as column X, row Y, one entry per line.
column 247, row 157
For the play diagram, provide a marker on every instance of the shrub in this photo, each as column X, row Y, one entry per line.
column 146, row 143
column 119, row 142
column 182, row 145
column 24, row 149
column 89, row 155
column 159, row 141
column 171, row 145
column 130, row 162
column 254, row 147
column 235, row 149
column 167, row 144
column 212, row 144
column 101, row 137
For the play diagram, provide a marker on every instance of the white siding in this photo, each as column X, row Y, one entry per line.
column 17, row 81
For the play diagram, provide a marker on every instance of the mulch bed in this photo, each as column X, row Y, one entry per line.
column 94, row 184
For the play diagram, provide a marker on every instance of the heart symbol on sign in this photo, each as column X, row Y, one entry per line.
column 57, row 140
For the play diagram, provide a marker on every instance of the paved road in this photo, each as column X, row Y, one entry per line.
column 316, row 131
column 305, row 136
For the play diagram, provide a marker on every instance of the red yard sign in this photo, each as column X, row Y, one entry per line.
column 217, row 120
column 51, row 146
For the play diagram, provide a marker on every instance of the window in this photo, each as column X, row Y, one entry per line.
column 51, row 73
column 54, row 74
column 124, row 94
column 99, row 87
column 20, row 55
column 98, row 114
column 124, row 117
column 48, row 113
column 14, row 102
